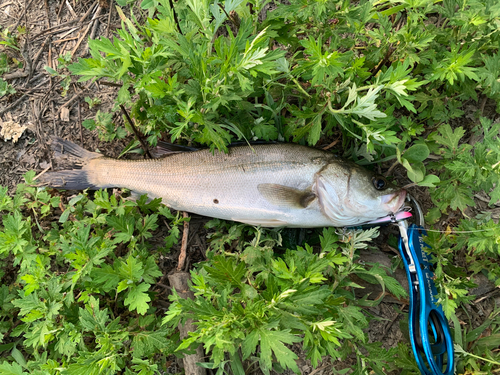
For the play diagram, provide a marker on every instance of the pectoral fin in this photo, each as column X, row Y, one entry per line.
column 284, row 196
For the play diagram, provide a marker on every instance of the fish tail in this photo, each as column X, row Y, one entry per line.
column 77, row 174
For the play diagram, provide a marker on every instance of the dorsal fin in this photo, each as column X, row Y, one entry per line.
column 163, row 149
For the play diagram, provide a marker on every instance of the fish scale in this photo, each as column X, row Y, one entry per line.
column 269, row 185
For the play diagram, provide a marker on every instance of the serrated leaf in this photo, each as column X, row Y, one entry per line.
column 272, row 342
column 92, row 318
column 224, row 270
column 124, row 225
column 131, row 269
column 449, row 137
column 146, row 343
column 11, row 369
column 137, row 298
column 107, row 276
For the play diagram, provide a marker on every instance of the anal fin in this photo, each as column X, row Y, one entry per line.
column 269, row 223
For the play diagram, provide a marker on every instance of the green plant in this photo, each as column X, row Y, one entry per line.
column 81, row 284
column 477, row 349
column 4, row 63
column 10, row 40
column 107, row 130
column 6, row 88
column 250, row 305
column 92, row 102
column 65, row 79
column 401, row 84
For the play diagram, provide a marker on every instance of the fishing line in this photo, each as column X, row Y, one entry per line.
column 460, row 231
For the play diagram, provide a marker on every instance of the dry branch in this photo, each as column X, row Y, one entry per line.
column 180, row 282
column 184, row 243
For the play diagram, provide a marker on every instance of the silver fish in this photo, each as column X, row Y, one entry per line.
column 272, row 185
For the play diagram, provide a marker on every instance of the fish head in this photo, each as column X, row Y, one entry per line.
column 351, row 195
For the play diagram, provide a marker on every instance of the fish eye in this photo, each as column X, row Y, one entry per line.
column 379, row 182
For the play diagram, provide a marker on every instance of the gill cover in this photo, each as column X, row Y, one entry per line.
column 332, row 204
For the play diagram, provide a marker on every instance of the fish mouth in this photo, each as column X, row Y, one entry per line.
column 394, row 201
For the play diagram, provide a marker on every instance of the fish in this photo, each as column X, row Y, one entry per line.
column 268, row 185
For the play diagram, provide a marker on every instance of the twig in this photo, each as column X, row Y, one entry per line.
column 75, row 97
column 109, row 17
column 231, row 19
column 22, row 16
column 25, row 51
column 487, row 295
column 319, row 369
column 332, row 144
column 48, row 12
column 49, row 58
column 88, row 12
column 39, row 53
column 410, row 185
column 54, row 115
column 53, row 29
column 59, row 10
column 184, row 243
column 42, row 173
column 65, row 40
column 96, row 14
column 15, row 75
column 80, row 121
column 394, row 165
column 384, row 61
column 483, row 104
column 136, row 132
column 38, row 76
column 94, row 29
column 68, row 32
column 112, row 84
column 71, row 10
column 2, row 111
column 175, row 16
column 180, row 282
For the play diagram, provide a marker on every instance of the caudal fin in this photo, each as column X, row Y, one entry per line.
column 74, row 159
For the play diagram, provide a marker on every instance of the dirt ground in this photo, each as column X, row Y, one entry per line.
column 40, row 109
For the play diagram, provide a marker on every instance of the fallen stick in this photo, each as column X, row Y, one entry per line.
column 94, row 19
column 14, row 75
column 184, row 243
column 22, row 15
column 180, row 282
column 71, row 10
column 136, row 132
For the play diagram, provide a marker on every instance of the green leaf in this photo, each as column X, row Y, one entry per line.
column 137, row 298
column 416, row 153
column 146, row 343
column 224, row 270
column 449, row 137
column 430, row 181
column 416, row 170
column 272, row 342
column 92, row 318
column 12, row 237
column 11, row 369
